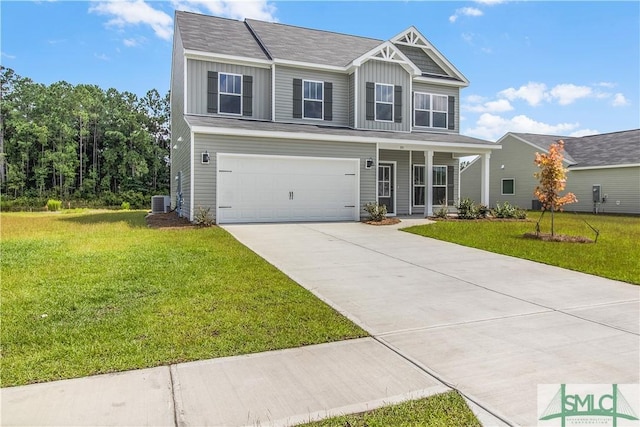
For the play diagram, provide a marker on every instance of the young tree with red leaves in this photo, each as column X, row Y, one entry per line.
column 553, row 180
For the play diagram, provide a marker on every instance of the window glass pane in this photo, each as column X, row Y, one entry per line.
column 384, row 93
column 439, row 120
column 422, row 101
column 508, row 186
column 439, row 175
column 439, row 196
column 313, row 109
column 230, row 84
column 313, row 90
column 422, row 118
column 230, row 104
column 418, row 175
column 440, row 103
column 418, row 196
column 384, row 112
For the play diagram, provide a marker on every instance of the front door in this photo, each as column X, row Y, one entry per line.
column 386, row 185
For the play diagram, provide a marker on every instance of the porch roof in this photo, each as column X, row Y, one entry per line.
column 447, row 142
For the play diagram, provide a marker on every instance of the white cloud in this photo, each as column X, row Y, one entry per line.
column 234, row 9
column 490, row 2
column 584, row 132
column 534, row 93
column 567, row 93
column 491, row 127
column 101, row 57
column 619, row 100
column 498, row 106
column 134, row 41
column 135, row 12
column 465, row 11
column 6, row 55
column 606, row 84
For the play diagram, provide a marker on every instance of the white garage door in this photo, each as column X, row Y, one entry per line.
column 255, row 188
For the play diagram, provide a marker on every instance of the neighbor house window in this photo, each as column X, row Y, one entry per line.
column 418, row 185
column 230, row 93
column 313, row 99
column 508, row 186
column 430, row 110
column 384, row 102
column 439, row 185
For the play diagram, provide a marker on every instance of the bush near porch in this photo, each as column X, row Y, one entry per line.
column 614, row 256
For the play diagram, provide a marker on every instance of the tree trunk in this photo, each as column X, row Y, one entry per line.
column 552, row 230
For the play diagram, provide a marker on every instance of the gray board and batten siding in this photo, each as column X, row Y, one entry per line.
column 284, row 94
column 197, row 74
column 421, row 60
column 206, row 174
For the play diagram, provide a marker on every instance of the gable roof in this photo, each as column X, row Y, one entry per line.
column 217, row 35
column 299, row 44
column 609, row 149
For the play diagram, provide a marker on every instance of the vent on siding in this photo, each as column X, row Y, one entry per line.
column 160, row 204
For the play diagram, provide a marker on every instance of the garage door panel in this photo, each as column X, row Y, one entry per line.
column 277, row 189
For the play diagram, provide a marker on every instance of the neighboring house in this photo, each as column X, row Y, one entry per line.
column 604, row 171
column 273, row 122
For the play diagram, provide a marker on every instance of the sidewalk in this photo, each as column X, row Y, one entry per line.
column 277, row 388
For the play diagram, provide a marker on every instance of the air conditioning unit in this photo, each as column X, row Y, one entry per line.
column 160, row 204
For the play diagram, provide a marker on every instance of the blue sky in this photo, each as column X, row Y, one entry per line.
column 565, row 68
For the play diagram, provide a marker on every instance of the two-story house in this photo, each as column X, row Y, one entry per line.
column 272, row 122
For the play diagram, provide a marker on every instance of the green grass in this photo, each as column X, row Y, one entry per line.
column 95, row 292
column 442, row 410
column 616, row 255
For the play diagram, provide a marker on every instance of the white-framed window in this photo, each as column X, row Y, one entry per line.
column 384, row 102
column 312, row 99
column 508, row 186
column 230, row 93
column 439, row 197
column 419, row 185
column 430, row 110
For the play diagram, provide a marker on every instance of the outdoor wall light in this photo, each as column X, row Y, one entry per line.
column 205, row 158
column 369, row 163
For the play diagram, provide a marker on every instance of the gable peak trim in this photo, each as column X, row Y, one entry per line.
column 386, row 51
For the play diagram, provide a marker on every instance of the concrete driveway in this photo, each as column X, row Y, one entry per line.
column 490, row 325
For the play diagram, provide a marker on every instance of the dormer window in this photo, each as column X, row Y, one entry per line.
column 230, row 93
column 384, row 102
column 430, row 110
column 313, row 99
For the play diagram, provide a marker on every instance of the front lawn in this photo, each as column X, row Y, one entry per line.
column 96, row 292
column 616, row 255
column 441, row 410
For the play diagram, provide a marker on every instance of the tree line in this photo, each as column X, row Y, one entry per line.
column 81, row 143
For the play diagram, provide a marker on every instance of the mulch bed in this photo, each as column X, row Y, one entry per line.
column 546, row 237
column 167, row 220
column 386, row 221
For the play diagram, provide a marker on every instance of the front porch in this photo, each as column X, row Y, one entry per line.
column 414, row 181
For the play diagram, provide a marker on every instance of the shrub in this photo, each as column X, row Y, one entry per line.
column 376, row 212
column 203, row 218
column 467, row 209
column 442, row 212
column 54, row 205
column 125, row 206
column 507, row 210
column 483, row 211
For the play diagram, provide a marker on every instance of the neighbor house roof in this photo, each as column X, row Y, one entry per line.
column 263, row 127
column 609, row 149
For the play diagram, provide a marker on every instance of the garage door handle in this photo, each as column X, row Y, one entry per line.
column 290, row 195
column 350, row 206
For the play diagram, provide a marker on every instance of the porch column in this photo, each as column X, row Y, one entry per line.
column 484, row 179
column 428, row 174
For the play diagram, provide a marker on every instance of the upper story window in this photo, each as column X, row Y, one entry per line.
column 430, row 110
column 384, row 102
column 313, row 97
column 230, row 93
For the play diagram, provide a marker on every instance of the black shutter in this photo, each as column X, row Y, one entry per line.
column 247, row 95
column 450, row 170
column 370, row 96
column 397, row 104
column 328, row 101
column 297, row 98
column 452, row 113
column 212, row 92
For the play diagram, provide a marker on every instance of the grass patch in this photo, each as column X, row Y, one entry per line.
column 441, row 410
column 614, row 256
column 96, row 292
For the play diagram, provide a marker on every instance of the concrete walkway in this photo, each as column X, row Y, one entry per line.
column 491, row 326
